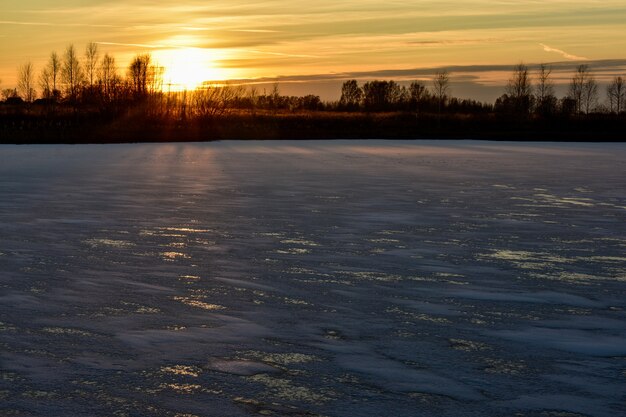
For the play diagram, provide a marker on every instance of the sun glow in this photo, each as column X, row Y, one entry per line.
column 188, row 68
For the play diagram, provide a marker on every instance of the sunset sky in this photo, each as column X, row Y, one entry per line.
column 314, row 45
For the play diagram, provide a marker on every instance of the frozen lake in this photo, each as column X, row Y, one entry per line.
column 317, row 278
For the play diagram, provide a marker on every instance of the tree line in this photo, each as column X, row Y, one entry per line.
column 90, row 78
column 94, row 79
column 526, row 94
column 417, row 97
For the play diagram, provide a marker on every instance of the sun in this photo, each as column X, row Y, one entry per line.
column 188, row 68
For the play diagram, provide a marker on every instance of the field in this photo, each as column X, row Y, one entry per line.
column 63, row 124
column 313, row 278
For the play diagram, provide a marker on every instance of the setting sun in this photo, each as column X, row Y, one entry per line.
column 188, row 68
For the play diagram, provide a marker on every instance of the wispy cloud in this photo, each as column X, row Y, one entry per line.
column 22, row 23
column 254, row 51
column 458, row 72
column 255, row 30
column 454, row 42
column 276, row 37
column 14, row 22
column 563, row 53
column 135, row 45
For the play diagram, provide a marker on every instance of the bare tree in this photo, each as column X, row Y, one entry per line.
column 418, row 91
column 108, row 76
column 45, row 82
column 590, row 93
column 576, row 86
column 155, row 78
column 546, row 101
column 214, row 100
column 545, row 86
column 54, row 67
column 253, row 98
column 91, row 62
column 519, row 89
column 49, row 76
column 616, row 93
column 583, row 89
column 441, row 87
column 9, row 93
column 274, row 97
column 26, row 82
column 520, row 84
column 71, row 73
column 138, row 72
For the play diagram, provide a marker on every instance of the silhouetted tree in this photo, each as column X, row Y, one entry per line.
column 503, row 104
column 26, row 82
column 274, row 100
column 45, row 82
column 590, row 94
column 468, row 106
column 155, row 78
column 9, row 93
column 310, row 102
column 519, row 90
column 616, row 93
column 12, row 97
column 214, row 100
column 49, row 77
column 72, row 74
column 351, row 95
column 54, row 67
column 253, row 99
column 138, row 72
column 441, row 87
column 583, row 89
column 109, row 77
column 402, row 99
column 576, row 87
column 545, row 86
column 381, row 95
column 569, row 106
column 91, row 62
column 546, row 101
column 418, row 95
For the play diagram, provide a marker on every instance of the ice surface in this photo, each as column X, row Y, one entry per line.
column 317, row 278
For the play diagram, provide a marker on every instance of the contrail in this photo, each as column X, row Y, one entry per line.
column 563, row 53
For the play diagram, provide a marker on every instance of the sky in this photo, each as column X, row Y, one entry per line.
column 311, row 46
